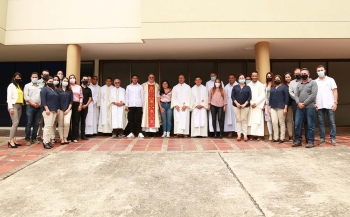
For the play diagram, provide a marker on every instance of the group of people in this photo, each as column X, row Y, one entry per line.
column 240, row 107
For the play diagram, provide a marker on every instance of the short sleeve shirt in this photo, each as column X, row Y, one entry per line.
column 325, row 97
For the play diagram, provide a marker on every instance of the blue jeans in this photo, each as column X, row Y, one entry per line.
column 167, row 116
column 33, row 118
column 330, row 114
column 300, row 116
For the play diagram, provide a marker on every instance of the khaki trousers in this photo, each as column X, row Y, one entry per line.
column 17, row 108
column 64, row 123
column 49, row 120
column 241, row 120
column 289, row 120
column 277, row 117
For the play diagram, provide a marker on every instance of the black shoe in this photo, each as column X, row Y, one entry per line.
column 10, row 145
column 221, row 136
column 50, row 144
column 296, row 144
column 274, row 140
column 46, row 146
column 84, row 138
column 310, row 145
column 281, row 141
column 215, row 135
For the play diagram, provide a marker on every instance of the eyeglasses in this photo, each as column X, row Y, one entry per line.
column 150, row 77
column 116, row 82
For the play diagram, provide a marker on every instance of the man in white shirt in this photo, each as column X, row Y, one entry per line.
column 181, row 101
column 199, row 123
column 133, row 102
column 326, row 103
column 32, row 99
column 93, row 112
column 150, row 120
column 230, row 118
column 119, row 120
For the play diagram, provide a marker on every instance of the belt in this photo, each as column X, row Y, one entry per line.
column 165, row 102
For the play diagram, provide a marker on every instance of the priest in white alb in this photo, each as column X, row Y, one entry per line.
column 119, row 115
column 93, row 112
column 181, row 102
column 230, row 118
column 151, row 117
column 255, row 115
column 199, row 122
column 209, row 85
column 104, row 102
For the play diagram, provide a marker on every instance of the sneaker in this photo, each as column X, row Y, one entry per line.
column 131, row 135
column 322, row 141
column 141, row 135
column 114, row 135
column 168, row 134
column 296, row 144
column 164, row 134
column 28, row 143
column 35, row 142
column 309, row 145
column 333, row 142
column 121, row 135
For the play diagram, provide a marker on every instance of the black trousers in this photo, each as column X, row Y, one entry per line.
column 83, row 115
column 135, row 118
column 295, row 106
column 74, row 127
column 217, row 112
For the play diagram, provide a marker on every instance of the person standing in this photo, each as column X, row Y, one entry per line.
column 14, row 105
column 134, row 101
column 76, row 109
column 50, row 109
column 181, row 100
column 217, row 105
column 166, row 113
column 289, row 116
column 104, row 103
column 56, row 84
column 209, row 85
column 94, row 112
column 278, row 105
column 199, row 122
column 241, row 96
column 87, row 97
column 267, row 114
column 42, row 82
column 230, row 119
column 305, row 97
column 65, row 99
column 326, row 103
column 256, row 115
column 33, row 111
column 150, row 119
column 119, row 120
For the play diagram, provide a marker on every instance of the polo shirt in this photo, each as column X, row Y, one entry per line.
column 325, row 97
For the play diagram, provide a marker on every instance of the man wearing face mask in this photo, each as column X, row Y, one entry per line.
column 209, row 85
column 41, row 82
column 305, row 97
column 32, row 99
column 326, row 103
column 87, row 97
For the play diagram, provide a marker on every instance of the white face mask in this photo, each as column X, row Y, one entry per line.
column 320, row 73
column 217, row 84
column 55, row 82
column 72, row 81
column 34, row 80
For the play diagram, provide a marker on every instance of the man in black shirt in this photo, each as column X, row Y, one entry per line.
column 87, row 97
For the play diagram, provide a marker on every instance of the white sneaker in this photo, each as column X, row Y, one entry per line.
column 168, row 134
column 164, row 134
column 131, row 135
column 141, row 135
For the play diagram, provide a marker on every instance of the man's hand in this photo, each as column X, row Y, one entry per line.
column 127, row 108
column 177, row 108
column 254, row 105
column 334, row 107
column 199, row 106
column 183, row 108
column 301, row 105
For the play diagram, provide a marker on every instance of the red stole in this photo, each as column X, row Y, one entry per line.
column 151, row 106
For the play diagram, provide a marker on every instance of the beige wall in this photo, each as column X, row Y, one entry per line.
column 3, row 15
column 69, row 22
column 245, row 19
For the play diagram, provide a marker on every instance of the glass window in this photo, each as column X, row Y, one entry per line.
column 171, row 70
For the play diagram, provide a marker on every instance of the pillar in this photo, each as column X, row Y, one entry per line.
column 262, row 59
column 97, row 68
column 73, row 61
column 262, row 64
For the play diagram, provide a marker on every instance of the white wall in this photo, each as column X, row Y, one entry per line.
column 3, row 15
column 73, row 21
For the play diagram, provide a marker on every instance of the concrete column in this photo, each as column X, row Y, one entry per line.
column 262, row 59
column 262, row 64
column 73, row 61
column 97, row 68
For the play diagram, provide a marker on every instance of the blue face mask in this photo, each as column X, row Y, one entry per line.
column 248, row 81
column 320, row 73
column 34, row 80
column 65, row 83
column 241, row 81
column 213, row 78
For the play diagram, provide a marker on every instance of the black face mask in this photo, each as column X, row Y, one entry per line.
column 18, row 80
column 50, row 84
column 298, row 77
column 277, row 82
column 85, row 82
column 269, row 79
column 304, row 77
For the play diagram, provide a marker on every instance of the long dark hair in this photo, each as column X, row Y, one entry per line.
column 161, row 91
column 272, row 76
column 220, row 88
column 59, row 81
column 14, row 81
column 68, row 88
